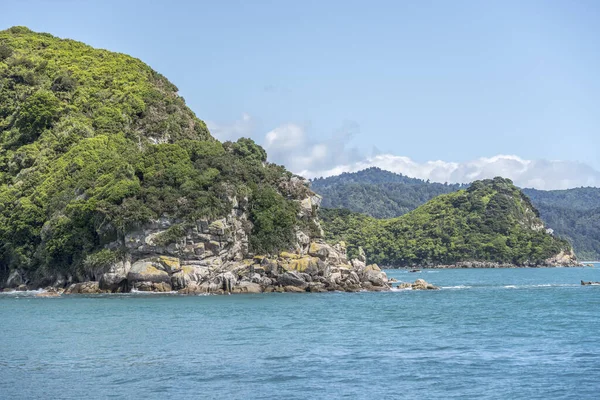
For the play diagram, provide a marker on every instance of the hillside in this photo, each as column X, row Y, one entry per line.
column 102, row 164
column 378, row 193
column 492, row 221
column 573, row 214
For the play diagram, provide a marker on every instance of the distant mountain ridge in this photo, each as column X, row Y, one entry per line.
column 378, row 193
column 573, row 213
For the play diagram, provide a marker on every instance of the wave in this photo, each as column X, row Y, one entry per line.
column 397, row 289
column 23, row 293
column 143, row 292
column 456, row 287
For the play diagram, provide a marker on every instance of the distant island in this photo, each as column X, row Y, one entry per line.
column 110, row 183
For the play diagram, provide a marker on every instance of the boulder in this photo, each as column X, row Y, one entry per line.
column 291, row 279
column 377, row 278
column 145, row 273
column 113, row 282
column 293, row 289
column 420, row 284
column 247, row 287
column 90, row 287
column 225, row 281
column 316, row 287
column 187, row 275
column 115, row 279
column 320, row 250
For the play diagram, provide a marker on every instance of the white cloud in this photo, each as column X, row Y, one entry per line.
column 290, row 145
column 232, row 131
column 540, row 174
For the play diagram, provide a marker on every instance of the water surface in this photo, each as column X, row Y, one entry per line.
column 497, row 334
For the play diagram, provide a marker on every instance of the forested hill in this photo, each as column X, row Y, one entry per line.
column 492, row 221
column 94, row 144
column 573, row 214
column 378, row 193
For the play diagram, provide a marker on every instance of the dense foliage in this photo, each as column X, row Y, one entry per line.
column 378, row 193
column 93, row 143
column 574, row 214
column 490, row 221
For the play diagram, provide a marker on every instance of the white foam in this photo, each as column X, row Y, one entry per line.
column 143, row 292
column 456, row 287
column 23, row 293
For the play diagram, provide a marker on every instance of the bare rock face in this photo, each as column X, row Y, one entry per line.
column 15, row 279
column 563, row 259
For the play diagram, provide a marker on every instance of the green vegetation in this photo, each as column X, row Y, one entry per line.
column 94, row 143
column 492, row 220
column 378, row 193
column 573, row 214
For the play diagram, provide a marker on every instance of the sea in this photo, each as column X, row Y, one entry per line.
column 487, row 334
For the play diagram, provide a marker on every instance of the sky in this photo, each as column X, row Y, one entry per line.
column 442, row 90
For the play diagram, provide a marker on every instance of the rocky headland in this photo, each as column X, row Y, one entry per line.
column 213, row 257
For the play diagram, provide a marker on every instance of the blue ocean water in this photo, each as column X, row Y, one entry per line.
column 488, row 334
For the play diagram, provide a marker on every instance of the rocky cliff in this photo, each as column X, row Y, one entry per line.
column 109, row 182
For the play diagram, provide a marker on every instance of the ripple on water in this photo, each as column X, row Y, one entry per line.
column 487, row 334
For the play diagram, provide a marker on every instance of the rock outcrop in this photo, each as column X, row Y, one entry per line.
column 324, row 268
column 213, row 257
column 419, row 284
column 91, row 287
column 564, row 259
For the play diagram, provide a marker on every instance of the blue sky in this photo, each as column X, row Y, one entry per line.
column 327, row 86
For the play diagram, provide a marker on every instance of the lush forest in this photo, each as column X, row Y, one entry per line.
column 573, row 214
column 378, row 193
column 93, row 143
column 492, row 220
